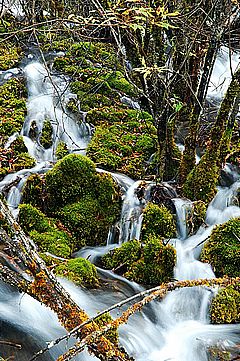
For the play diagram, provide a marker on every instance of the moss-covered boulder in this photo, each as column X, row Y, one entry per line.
column 124, row 147
column 152, row 263
column 89, row 220
column 222, row 250
column 46, row 134
column 69, row 180
column 156, row 265
column 201, row 184
column 54, row 241
column 31, row 218
column 61, row 150
column 123, row 256
column 158, row 221
column 44, row 232
column 34, row 191
column 79, row 271
column 225, row 306
column 12, row 108
column 86, row 202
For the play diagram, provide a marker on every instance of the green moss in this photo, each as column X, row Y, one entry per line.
column 225, row 307
column 123, row 147
column 18, row 145
column 23, row 161
column 12, row 108
column 158, row 221
column 150, row 264
column 30, row 218
column 46, row 134
column 112, row 334
column 54, row 241
column 88, row 220
column 44, row 232
column 222, row 250
column 111, row 115
column 10, row 55
column 125, row 255
column 61, row 150
column 71, row 178
column 201, row 182
column 79, row 271
column 33, row 191
column 157, row 264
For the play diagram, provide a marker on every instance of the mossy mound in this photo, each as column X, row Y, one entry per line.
column 158, row 221
column 150, row 264
column 123, row 256
column 69, row 180
column 44, row 232
column 201, row 185
column 157, row 264
column 124, row 147
column 10, row 55
column 12, row 108
column 225, row 307
column 89, row 220
column 79, row 271
column 46, row 134
column 84, row 55
column 34, row 191
column 111, row 115
column 61, row 150
column 55, row 242
column 86, row 202
column 222, row 250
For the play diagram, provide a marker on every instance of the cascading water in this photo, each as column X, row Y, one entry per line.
column 175, row 329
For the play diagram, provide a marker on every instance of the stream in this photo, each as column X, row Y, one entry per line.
column 177, row 328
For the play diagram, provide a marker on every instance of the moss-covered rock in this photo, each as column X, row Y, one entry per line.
column 12, row 108
column 156, row 265
column 61, row 150
column 79, row 271
column 201, row 184
column 150, row 264
column 31, row 218
column 44, row 232
column 46, row 134
column 225, row 306
column 10, row 55
column 158, row 221
column 125, row 255
column 88, row 220
column 222, row 250
column 71, row 178
column 34, row 191
column 124, row 147
column 54, row 241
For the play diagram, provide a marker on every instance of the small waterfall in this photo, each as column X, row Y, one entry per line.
column 183, row 208
column 136, row 198
column 48, row 96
